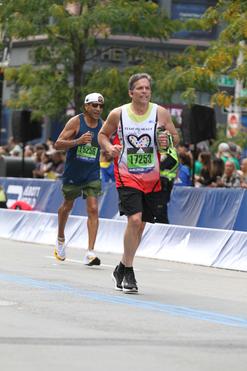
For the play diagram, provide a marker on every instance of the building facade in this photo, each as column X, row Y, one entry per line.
column 118, row 54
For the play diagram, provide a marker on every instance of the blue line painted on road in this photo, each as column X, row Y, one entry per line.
column 173, row 310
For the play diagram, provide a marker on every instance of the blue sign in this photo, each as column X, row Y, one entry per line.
column 244, row 120
column 187, row 11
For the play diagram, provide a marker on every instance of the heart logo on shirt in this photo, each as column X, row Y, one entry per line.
column 143, row 141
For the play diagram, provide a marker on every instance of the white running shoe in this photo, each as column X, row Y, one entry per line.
column 59, row 251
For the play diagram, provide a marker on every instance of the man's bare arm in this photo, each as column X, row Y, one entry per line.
column 108, row 129
column 165, row 120
column 67, row 139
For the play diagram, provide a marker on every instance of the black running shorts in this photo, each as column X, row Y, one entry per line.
column 153, row 206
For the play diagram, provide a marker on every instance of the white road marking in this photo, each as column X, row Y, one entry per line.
column 103, row 265
column 5, row 303
column 79, row 262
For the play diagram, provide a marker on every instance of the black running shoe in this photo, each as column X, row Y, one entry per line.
column 92, row 260
column 117, row 277
column 129, row 281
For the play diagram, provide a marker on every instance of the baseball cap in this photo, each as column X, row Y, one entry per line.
column 94, row 98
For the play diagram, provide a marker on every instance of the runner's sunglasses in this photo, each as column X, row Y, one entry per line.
column 96, row 105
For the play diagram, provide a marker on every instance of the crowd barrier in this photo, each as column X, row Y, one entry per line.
column 208, row 247
column 219, row 208
column 45, row 195
column 195, row 207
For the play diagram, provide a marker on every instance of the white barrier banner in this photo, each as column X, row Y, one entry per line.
column 209, row 247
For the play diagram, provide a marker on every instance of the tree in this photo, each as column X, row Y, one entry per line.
column 199, row 70
column 71, row 31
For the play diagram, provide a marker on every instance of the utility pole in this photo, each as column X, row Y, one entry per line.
column 239, row 83
column 234, row 119
column 4, row 62
column 1, row 102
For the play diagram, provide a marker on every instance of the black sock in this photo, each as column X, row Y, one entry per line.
column 129, row 269
column 121, row 267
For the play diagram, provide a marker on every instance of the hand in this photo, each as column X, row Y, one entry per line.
column 85, row 138
column 115, row 150
column 213, row 185
column 219, row 182
column 163, row 141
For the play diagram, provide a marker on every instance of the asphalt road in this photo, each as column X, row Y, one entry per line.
column 65, row 316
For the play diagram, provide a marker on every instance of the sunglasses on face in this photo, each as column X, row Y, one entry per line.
column 96, row 105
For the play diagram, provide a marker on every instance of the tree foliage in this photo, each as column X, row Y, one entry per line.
column 199, row 70
column 72, row 31
column 62, row 69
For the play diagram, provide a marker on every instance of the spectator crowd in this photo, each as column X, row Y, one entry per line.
column 49, row 162
column 225, row 168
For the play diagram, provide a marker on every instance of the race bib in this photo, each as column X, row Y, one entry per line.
column 87, row 153
column 140, row 160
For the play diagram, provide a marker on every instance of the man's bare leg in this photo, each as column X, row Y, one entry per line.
column 63, row 214
column 92, row 221
column 132, row 238
column 92, row 226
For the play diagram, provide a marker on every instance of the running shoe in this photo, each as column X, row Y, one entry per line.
column 129, row 281
column 91, row 259
column 117, row 277
column 59, row 251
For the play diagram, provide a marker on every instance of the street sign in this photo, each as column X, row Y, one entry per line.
column 227, row 81
column 243, row 93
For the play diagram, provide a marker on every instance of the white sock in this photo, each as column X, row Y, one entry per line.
column 60, row 241
column 90, row 253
